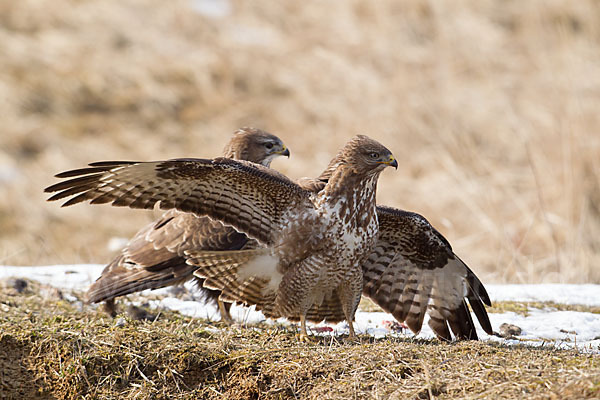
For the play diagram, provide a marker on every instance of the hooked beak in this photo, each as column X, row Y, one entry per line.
column 391, row 162
column 283, row 152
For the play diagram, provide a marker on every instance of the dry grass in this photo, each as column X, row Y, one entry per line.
column 54, row 349
column 491, row 106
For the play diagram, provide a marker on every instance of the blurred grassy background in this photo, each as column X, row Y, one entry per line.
column 492, row 108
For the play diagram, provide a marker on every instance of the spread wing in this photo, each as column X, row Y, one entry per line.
column 413, row 270
column 253, row 199
column 155, row 257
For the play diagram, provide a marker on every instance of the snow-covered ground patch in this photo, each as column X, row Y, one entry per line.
column 588, row 295
column 76, row 276
column 564, row 329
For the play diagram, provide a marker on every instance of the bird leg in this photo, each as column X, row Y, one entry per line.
column 351, row 336
column 349, row 294
column 303, row 326
column 303, row 336
column 110, row 307
column 224, row 311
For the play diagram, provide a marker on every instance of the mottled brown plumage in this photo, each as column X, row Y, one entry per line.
column 315, row 243
column 412, row 271
column 155, row 256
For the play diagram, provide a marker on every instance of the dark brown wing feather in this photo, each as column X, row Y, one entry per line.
column 121, row 277
column 251, row 198
column 155, row 257
column 412, row 271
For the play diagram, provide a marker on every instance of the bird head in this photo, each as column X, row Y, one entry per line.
column 255, row 145
column 366, row 155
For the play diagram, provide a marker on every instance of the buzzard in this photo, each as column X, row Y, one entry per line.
column 314, row 243
column 154, row 257
column 413, row 270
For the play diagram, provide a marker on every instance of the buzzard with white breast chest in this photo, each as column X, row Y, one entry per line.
column 413, row 270
column 314, row 244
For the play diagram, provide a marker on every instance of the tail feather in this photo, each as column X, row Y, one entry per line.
column 211, row 263
column 124, row 279
column 462, row 324
column 248, row 277
column 478, row 296
column 250, row 290
column 417, row 294
column 330, row 310
column 219, row 282
column 446, row 312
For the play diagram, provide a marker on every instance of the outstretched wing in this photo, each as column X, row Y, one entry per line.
column 413, row 270
column 251, row 198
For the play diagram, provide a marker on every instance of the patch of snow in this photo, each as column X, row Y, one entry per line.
column 76, row 276
column 195, row 309
column 568, row 326
column 587, row 294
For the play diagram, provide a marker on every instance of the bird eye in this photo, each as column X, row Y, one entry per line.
column 269, row 145
column 374, row 155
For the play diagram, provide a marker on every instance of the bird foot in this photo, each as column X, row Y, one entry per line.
column 304, row 338
column 229, row 322
column 110, row 308
column 352, row 340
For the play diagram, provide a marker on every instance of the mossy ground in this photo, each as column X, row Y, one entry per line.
column 56, row 349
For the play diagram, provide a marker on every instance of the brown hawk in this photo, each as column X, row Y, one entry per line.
column 413, row 270
column 315, row 243
column 154, row 257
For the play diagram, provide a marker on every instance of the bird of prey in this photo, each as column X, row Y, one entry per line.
column 413, row 270
column 154, row 257
column 314, row 243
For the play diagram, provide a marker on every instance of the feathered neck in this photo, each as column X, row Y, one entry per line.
column 357, row 190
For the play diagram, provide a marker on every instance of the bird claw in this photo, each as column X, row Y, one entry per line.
column 304, row 338
column 228, row 322
column 352, row 340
